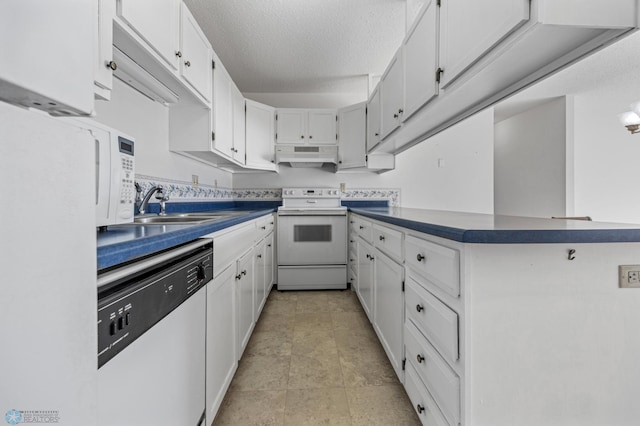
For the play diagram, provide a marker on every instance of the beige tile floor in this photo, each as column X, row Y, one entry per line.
column 314, row 359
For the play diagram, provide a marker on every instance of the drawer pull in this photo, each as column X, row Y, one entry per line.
column 244, row 272
column 350, row 241
column 361, row 227
column 239, row 277
column 263, row 227
column 420, row 257
column 420, row 408
column 381, row 237
column 420, row 358
column 419, row 308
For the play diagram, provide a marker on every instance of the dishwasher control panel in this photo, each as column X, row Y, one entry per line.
column 136, row 304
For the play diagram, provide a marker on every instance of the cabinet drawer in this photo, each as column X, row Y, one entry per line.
column 363, row 228
column 388, row 241
column 229, row 246
column 265, row 226
column 433, row 318
column 439, row 264
column 422, row 402
column 441, row 381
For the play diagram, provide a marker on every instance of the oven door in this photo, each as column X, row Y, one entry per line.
column 312, row 239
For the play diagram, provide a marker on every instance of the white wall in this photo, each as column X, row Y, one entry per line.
column 148, row 123
column 309, row 100
column 607, row 156
column 530, row 162
column 464, row 183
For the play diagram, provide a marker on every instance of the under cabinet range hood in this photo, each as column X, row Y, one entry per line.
column 306, row 156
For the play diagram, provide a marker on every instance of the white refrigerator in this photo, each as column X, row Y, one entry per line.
column 48, row 305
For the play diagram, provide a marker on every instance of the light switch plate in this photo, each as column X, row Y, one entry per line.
column 629, row 276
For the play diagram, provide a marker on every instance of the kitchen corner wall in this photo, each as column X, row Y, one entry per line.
column 453, row 170
column 148, row 123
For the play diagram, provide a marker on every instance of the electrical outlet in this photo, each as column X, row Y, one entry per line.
column 629, row 276
column 194, row 180
column 343, row 187
column 215, row 184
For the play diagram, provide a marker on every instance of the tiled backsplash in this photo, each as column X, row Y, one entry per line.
column 180, row 191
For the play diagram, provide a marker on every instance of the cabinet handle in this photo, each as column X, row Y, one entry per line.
column 381, row 237
column 350, row 241
column 244, row 272
column 420, row 358
column 350, row 221
column 187, row 64
column 112, row 65
column 352, row 260
column 368, row 256
column 371, row 258
column 310, row 137
column 340, row 162
column 239, row 277
column 268, row 245
column 263, row 227
column 420, row 257
column 420, row 408
column 270, row 223
column 361, row 227
column 419, row 308
column 259, row 256
column 302, row 137
column 395, row 115
column 376, row 134
column 400, row 111
column 179, row 54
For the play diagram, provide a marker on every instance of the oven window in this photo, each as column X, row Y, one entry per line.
column 311, row 233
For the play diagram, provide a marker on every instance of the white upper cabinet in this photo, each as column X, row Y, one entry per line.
column 195, row 54
column 306, row 126
column 421, row 60
column 352, row 128
column 104, row 64
column 469, row 29
column 47, row 55
column 373, row 119
column 222, row 114
column 239, row 147
column 392, row 95
column 260, row 134
column 157, row 22
column 322, row 127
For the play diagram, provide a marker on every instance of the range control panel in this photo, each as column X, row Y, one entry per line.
column 310, row 193
column 135, row 306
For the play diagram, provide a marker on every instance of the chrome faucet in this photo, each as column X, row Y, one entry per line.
column 143, row 202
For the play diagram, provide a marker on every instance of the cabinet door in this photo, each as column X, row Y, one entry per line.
column 260, row 135
column 469, row 29
column 239, row 147
column 244, row 300
column 392, row 93
column 389, row 308
column 352, row 135
column 291, row 126
column 195, row 64
column 268, row 264
column 421, row 61
column 45, row 48
column 222, row 111
column 322, row 127
column 157, row 22
column 373, row 119
column 260, row 277
column 365, row 277
column 102, row 71
column 221, row 339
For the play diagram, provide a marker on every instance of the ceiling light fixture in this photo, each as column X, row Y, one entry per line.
column 631, row 119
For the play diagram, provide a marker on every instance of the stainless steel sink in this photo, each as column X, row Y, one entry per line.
column 183, row 218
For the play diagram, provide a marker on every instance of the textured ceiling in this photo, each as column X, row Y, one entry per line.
column 304, row 46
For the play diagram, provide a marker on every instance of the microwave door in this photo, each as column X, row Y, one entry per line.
column 103, row 184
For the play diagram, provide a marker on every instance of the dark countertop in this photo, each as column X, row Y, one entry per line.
column 496, row 229
column 122, row 243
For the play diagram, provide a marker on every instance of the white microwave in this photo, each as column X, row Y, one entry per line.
column 115, row 167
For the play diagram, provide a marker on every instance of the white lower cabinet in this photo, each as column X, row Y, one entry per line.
column 424, row 405
column 389, row 313
column 245, row 293
column 365, row 270
column 221, row 339
column 243, row 276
